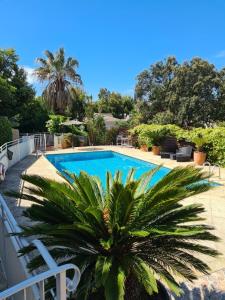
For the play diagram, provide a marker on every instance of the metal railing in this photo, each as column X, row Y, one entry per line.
column 18, row 149
column 212, row 169
column 59, row 272
column 36, row 281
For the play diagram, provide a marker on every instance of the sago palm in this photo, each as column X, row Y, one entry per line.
column 60, row 74
column 127, row 238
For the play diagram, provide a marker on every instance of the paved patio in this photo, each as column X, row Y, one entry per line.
column 213, row 200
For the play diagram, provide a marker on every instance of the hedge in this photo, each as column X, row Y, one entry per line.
column 5, row 130
column 214, row 138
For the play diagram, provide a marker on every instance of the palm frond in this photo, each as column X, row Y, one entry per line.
column 130, row 230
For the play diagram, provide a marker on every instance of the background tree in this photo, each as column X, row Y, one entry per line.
column 5, row 130
column 60, row 74
column 15, row 91
column 103, row 100
column 115, row 103
column 96, row 130
column 79, row 103
column 34, row 116
column 187, row 94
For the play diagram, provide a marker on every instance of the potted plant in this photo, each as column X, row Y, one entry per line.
column 142, row 142
column 67, row 140
column 199, row 154
column 154, row 137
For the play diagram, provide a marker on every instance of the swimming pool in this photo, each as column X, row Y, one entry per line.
column 98, row 163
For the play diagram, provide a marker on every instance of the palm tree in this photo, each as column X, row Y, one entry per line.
column 60, row 74
column 128, row 239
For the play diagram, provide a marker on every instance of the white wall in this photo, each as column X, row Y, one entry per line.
column 20, row 148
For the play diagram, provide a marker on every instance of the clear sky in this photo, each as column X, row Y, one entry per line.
column 114, row 40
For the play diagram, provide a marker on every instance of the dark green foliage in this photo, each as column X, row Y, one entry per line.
column 121, row 127
column 53, row 124
column 129, row 234
column 15, row 92
column 79, row 103
column 115, row 103
column 5, row 130
column 214, row 144
column 188, row 94
column 211, row 140
column 154, row 134
column 96, row 130
column 34, row 117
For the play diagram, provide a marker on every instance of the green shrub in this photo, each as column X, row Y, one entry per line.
column 200, row 137
column 215, row 146
column 78, row 130
column 96, row 130
column 111, row 135
column 53, row 124
column 153, row 135
column 211, row 140
column 163, row 118
column 5, row 130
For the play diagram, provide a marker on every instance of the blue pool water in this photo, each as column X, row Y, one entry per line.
column 98, row 163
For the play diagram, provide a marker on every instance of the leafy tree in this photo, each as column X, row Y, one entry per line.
column 187, row 93
column 153, row 87
column 34, row 117
column 126, row 239
column 15, row 92
column 5, row 130
column 96, row 130
column 164, row 118
column 103, row 100
column 53, row 124
column 79, row 103
column 115, row 103
column 60, row 74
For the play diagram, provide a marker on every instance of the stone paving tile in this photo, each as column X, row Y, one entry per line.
column 210, row 287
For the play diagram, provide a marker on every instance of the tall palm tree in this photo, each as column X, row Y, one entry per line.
column 60, row 74
column 128, row 238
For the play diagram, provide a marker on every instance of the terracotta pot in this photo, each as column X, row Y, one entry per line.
column 65, row 144
column 156, row 150
column 199, row 157
column 144, row 148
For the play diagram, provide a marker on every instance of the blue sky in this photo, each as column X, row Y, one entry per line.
column 114, row 39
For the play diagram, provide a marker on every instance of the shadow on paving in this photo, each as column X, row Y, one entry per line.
column 13, row 182
column 211, row 287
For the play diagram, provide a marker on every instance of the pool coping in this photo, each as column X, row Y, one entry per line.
column 74, row 151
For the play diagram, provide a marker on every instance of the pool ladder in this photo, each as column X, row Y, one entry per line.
column 212, row 168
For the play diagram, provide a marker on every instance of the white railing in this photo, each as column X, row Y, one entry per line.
column 212, row 169
column 32, row 287
column 59, row 272
column 18, row 149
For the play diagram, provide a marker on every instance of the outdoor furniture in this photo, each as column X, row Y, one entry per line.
column 168, row 147
column 165, row 154
column 123, row 141
column 184, row 153
column 119, row 140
